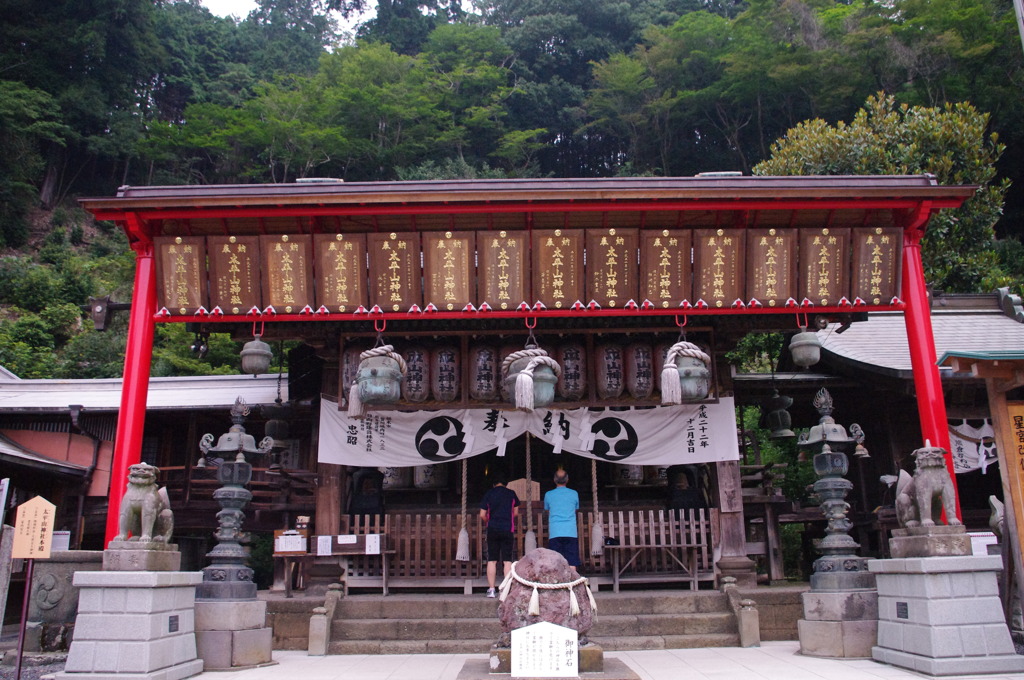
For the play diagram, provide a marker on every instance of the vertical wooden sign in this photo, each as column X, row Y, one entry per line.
column 287, row 272
column 503, row 258
column 449, row 263
column 824, row 269
column 666, row 269
column 877, row 264
column 771, row 266
column 718, row 266
column 340, row 271
column 612, row 266
column 395, row 276
column 180, row 273
column 558, row 267
column 33, row 529
column 234, row 273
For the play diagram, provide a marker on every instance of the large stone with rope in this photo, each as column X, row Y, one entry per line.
column 543, row 587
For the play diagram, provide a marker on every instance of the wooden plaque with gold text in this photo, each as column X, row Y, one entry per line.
column 449, row 262
column 340, row 271
column 718, row 266
column 181, row 273
column 612, row 266
column 877, row 264
column 287, row 272
column 558, row 267
column 234, row 273
column 503, row 258
column 824, row 265
column 394, row 270
column 771, row 266
column 666, row 271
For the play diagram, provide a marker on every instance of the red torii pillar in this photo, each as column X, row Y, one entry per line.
column 138, row 357
column 931, row 403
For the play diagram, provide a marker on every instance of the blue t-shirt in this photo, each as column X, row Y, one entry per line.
column 561, row 504
column 499, row 502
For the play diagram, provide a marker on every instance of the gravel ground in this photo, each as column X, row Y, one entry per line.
column 30, row 672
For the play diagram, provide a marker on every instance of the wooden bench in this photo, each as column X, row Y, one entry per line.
column 661, row 543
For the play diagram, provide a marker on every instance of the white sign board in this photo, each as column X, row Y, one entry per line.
column 545, row 650
column 33, row 529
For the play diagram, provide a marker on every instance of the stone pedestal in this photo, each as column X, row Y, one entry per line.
column 137, row 556
column 933, row 541
column 943, row 616
column 233, row 635
column 840, row 624
column 134, row 625
column 590, row 659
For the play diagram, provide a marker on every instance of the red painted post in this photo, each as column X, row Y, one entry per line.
column 931, row 403
column 138, row 356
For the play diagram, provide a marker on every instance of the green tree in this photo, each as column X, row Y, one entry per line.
column 950, row 142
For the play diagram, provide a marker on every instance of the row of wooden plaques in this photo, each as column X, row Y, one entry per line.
column 340, row 272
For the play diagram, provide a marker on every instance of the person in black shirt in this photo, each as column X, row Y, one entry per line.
column 498, row 512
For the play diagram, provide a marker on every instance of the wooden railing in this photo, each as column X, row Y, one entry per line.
column 425, row 545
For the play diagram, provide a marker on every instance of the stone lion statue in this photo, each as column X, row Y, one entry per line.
column 920, row 498
column 145, row 511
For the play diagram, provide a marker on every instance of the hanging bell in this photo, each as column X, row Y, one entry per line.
column 805, row 348
column 256, row 356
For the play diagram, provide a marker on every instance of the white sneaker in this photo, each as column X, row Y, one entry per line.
column 491, row 593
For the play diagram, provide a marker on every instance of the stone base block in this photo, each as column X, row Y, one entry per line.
column 837, row 639
column 1007, row 663
column 590, row 659
column 857, row 605
column 177, row 672
column 234, row 649
column 141, row 560
column 937, row 541
column 478, row 669
column 842, row 580
column 227, row 615
column 226, row 590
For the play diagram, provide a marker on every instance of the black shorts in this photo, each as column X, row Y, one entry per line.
column 501, row 546
column 568, row 547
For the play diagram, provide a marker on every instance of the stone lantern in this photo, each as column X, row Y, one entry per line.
column 777, row 417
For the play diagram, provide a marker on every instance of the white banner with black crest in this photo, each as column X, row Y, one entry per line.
column 661, row 435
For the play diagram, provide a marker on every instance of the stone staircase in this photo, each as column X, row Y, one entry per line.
column 467, row 624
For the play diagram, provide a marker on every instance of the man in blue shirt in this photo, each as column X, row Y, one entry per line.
column 561, row 504
column 498, row 512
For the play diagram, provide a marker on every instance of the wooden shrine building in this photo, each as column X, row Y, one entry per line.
column 604, row 274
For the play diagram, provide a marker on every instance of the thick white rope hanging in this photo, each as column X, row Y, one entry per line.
column 534, row 610
column 671, row 390
column 356, row 408
column 523, row 395
column 596, row 527
column 462, row 547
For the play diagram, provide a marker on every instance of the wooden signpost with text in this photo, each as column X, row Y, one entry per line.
column 33, row 533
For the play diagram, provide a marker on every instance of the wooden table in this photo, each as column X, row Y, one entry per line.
column 688, row 562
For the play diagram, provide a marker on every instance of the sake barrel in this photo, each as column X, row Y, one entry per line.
column 572, row 383
column 640, row 373
column 608, row 370
column 444, row 373
column 416, row 386
column 484, row 366
column 430, row 476
column 631, row 475
column 397, row 477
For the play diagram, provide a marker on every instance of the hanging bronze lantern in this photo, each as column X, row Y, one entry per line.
column 805, row 348
column 777, row 418
column 378, row 381
column 686, row 376
column 256, row 356
column 530, row 376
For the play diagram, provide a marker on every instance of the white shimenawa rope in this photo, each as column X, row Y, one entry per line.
column 671, row 390
column 356, row 409
column 596, row 527
column 462, row 547
column 523, row 396
column 534, row 610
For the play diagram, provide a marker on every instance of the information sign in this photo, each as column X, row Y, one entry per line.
column 545, row 650
column 33, row 530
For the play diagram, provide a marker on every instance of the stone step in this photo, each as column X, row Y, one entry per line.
column 616, row 643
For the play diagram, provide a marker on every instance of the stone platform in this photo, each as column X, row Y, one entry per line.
column 943, row 616
column 232, row 635
column 590, row 660
column 134, row 625
column 479, row 669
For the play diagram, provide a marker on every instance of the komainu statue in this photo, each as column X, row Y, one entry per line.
column 920, row 498
column 145, row 512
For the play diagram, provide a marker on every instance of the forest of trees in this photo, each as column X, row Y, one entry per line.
column 94, row 95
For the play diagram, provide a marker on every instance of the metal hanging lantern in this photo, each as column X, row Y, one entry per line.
column 686, row 376
column 530, row 376
column 777, row 418
column 378, row 380
column 805, row 348
column 256, row 356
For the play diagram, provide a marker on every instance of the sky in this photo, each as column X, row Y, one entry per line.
column 223, row 8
